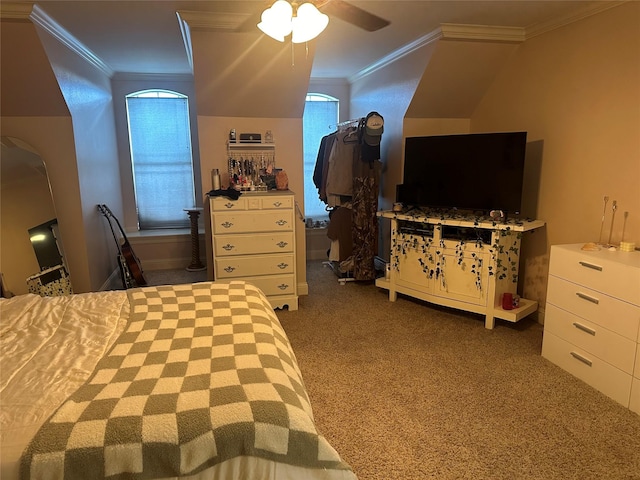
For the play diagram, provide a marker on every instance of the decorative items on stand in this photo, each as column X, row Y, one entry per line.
column 624, row 245
column 251, row 164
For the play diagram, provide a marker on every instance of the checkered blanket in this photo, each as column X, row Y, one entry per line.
column 203, row 373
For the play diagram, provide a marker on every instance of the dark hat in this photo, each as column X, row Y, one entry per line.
column 373, row 128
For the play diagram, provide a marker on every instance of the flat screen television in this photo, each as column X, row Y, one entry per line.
column 476, row 172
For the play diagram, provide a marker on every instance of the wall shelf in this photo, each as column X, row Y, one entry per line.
column 250, row 145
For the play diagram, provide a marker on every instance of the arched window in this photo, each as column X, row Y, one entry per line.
column 320, row 118
column 161, row 157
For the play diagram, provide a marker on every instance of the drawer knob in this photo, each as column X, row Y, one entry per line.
column 588, row 298
column 579, row 357
column 282, row 244
column 229, row 205
column 283, row 286
column 277, row 204
column 229, row 269
column 591, row 266
column 227, row 224
column 228, row 247
column 584, row 328
column 283, row 265
column 281, row 222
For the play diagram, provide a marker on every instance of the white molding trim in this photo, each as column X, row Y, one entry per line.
column 593, row 9
column 330, row 81
column 186, row 39
column 15, row 11
column 223, row 21
column 397, row 55
column 154, row 77
column 42, row 19
column 457, row 31
column 453, row 31
column 482, row 33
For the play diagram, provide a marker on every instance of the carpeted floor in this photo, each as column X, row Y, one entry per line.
column 407, row 391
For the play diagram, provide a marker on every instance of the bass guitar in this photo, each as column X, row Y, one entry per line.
column 130, row 268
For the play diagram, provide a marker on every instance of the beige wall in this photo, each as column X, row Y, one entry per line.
column 576, row 90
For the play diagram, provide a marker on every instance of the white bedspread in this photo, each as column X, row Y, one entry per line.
column 48, row 348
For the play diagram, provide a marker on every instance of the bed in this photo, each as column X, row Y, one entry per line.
column 191, row 381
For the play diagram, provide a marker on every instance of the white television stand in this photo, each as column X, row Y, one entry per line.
column 456, row 260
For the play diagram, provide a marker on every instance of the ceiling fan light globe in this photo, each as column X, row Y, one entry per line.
column 276, row 20
column 282, row 8
column 308, row 23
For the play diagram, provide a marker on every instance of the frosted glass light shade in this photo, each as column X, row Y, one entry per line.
column 308, row 23
column 276, row 20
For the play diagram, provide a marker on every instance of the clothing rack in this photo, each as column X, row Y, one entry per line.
column 343, row 277
column 353, row 122
column 340, row 180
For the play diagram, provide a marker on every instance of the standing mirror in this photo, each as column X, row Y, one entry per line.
column 31, row 255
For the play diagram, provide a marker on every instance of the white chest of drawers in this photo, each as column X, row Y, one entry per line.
column 592, row 319
column 254, row 240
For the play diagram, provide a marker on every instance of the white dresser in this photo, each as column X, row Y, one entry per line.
column 592, row 319
column 254, row 240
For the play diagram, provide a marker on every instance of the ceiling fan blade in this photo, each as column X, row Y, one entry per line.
column 354, row 15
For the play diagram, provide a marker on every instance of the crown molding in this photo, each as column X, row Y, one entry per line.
column 331, row 81
column 446, row 31
column 397, row 55
column 155, row 77
column 218, row 21
column 482, row 33
column 186, row 39
column 42, row 19
column 455, row 31
column 593, row 9
column 15, row 11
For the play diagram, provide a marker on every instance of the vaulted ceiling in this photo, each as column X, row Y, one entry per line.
column 144, row 36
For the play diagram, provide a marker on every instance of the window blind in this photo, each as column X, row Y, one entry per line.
column 160, row 139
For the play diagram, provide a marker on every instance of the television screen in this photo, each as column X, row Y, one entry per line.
column 478, row 172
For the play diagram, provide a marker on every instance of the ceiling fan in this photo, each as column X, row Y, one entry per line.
column 352, row 14
column 334, row 8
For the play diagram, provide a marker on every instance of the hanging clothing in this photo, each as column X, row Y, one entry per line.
column 340, row 229
column 366, row 185
column 347, row 175
column 340, row 171
column 322, row 165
